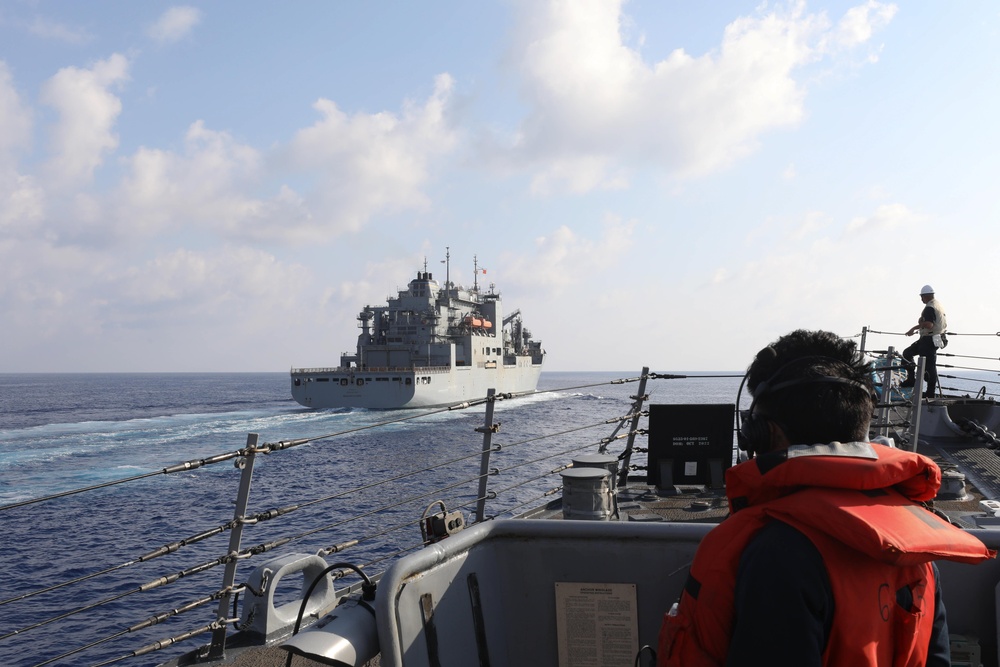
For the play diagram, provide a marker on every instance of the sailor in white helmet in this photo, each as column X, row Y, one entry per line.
column 932, row 326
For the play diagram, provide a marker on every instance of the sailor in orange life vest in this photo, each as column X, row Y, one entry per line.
column 827, row 555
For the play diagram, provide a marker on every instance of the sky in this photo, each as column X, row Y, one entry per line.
column 666, row 183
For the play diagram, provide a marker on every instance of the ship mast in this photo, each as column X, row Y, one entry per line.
column 447, row 272
column 475, row 273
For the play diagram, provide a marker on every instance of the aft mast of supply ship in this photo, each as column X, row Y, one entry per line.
column 447, row 273
column 475, row 274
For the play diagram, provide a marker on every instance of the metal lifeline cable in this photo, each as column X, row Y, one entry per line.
column 497, row 492
column 156, row 553
column 196, row 463
column 969, row 368
column 649, row 376
column 413, row 499
column 959, row 390
column 410, row 500
column 269, row 514
column 392, row 479
column 397, row 527
column 966, row 356
column 94, row 605
column 545, row 436
column 180, row 467
column 967, row 379
column 149, row 622
column 390, row 529
column 559, row 453
column 64, row 584
column 156, row 646
column 258, row 517
column 950, row 333
column 531, row 479
column 199, row 462
column 532, row 501
column 286, row 444
column 377, row 510
column 149, row 585
column 575, row 448
column 388, row 556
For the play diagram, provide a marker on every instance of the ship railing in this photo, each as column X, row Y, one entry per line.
column 155, row 604
column 898, row 410
column 371, row 369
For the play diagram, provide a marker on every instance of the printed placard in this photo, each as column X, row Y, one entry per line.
column 597, row 624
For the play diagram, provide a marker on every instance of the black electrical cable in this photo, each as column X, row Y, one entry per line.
column 367, row 588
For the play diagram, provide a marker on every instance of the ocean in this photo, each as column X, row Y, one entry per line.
column 61, row 432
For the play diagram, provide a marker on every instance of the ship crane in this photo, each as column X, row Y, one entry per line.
column 517, row 335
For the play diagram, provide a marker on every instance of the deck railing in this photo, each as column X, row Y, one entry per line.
column 145, row 605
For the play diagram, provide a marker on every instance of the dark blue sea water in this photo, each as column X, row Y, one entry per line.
column 63, row 432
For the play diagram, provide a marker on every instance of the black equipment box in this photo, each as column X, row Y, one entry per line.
column 690, row 444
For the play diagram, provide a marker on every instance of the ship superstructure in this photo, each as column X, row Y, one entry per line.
column 433, row 344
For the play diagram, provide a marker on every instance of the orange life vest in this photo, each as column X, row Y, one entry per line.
column 856, row 504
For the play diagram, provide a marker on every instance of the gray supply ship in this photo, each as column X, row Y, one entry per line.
column 432, row 345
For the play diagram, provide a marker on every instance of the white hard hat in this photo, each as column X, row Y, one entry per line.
column 926, row 289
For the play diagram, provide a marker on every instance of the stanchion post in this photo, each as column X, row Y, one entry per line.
column 484, row 461
column 218, row 647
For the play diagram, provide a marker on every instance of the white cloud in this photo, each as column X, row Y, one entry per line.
column 563, row 257
column 578, row 176
column 210, row 285
column 21, row 197
column 41, row 288
column 15, row 119
column 186, row 310
column 61, row 32
column 22, row 204
column 175, row 24
column 346, row 169
column 205, row 186
column 369, row 164
column 885, row 217
column 88, row 110
column 595, row 101
column 812, row 223
column 860, row 23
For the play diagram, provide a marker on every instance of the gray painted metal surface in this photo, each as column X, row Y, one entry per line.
column 432, row 345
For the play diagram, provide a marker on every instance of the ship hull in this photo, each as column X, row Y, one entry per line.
column 386, row 389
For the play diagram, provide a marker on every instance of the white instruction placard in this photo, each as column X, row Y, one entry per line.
column 597, row 624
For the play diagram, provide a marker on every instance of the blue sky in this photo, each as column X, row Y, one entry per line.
column 222, row 186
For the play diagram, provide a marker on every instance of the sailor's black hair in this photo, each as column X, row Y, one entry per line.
column 785, row 379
